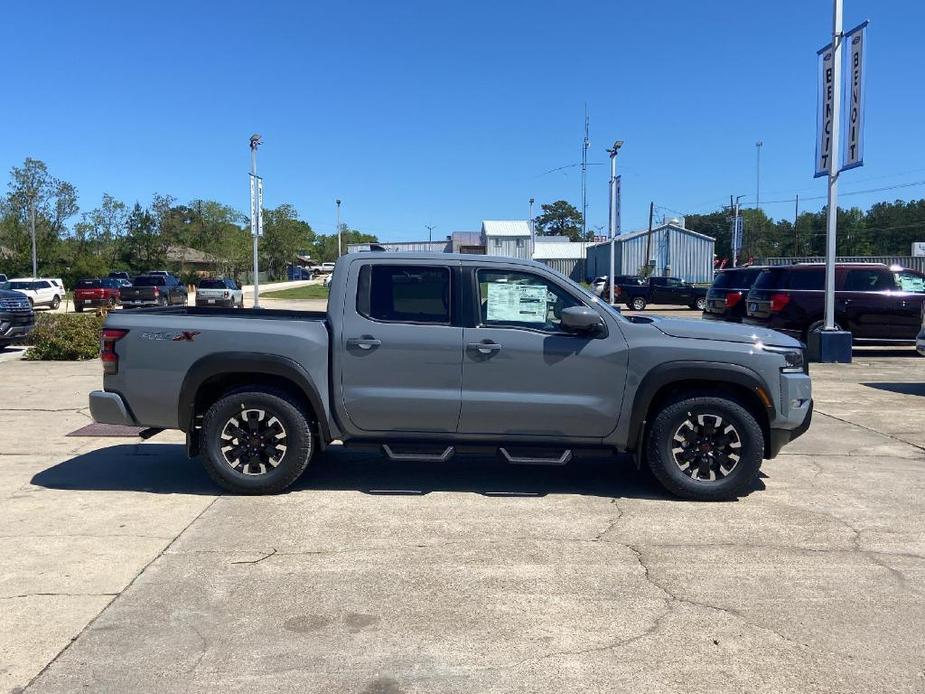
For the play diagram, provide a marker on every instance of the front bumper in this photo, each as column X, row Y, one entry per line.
column 781, row 437
column 15, row 325
column 110, row 408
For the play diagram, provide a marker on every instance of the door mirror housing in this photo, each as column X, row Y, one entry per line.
column 581, row 320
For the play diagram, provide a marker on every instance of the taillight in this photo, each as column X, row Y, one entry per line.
column 778, row 301
column 108, row 356
column 732, row 298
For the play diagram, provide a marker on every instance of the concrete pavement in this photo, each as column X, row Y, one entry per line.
column 123, row 569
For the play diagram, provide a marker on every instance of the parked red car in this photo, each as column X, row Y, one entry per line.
column 96, row 292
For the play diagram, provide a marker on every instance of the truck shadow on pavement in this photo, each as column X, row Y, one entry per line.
column 165, row 469
column 899, row 388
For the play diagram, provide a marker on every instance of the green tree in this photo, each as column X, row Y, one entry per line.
column 324, row 249
column 560, row 218
column 32, row 189
column 145, row 248
column 284, row 237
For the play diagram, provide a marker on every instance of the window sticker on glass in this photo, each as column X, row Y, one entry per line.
column 520, row 303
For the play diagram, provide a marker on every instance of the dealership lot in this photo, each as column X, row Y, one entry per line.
column 124, row 569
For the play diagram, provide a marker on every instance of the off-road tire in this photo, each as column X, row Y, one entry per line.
column 300, row 443
column 660, row 441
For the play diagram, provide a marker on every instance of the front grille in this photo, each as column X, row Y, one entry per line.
column 15, row 304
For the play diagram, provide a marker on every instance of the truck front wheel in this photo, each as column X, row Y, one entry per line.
column 637, row 303
column 705, row 448
column 256, row 441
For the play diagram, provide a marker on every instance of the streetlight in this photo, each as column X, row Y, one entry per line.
column 339, row 251
column 532, row 229
column 256, row 141
column 758, row 174
column 430, row 232
column 613, row 211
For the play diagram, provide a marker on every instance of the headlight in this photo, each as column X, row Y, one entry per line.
column 794, row 361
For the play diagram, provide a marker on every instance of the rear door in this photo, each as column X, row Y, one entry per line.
column 401, row 348
column 523, row 375
column 908, row 297
column 867, row 302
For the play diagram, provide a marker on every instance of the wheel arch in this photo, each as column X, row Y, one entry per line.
column 213, row 375
column 668, row 380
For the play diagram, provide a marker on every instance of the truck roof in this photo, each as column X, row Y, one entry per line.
column 444, row 257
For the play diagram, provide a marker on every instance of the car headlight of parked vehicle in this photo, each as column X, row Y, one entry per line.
column 794, row 359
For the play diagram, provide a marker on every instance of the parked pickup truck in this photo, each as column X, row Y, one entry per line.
column 424, row 356
column 661, row 290
column 96, row 292
column 154, row 290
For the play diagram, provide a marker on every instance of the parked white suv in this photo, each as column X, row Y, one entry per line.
column 40, row 291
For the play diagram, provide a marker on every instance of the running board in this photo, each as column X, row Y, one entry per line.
column 530, row 460
column 418, row 457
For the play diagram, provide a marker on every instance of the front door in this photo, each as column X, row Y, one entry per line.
column 522, row 374
column 401, row 364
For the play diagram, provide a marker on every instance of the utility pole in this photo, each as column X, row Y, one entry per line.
column 430, row 232
column 256, row 140
column 586, row 143
column 339, row 249
column 834, row 159
column 796, row 232
column 613, row 213
column 649, row 236
column 758, row 174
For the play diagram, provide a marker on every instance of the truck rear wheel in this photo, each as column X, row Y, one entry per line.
column 256, row 441
column 705, row 448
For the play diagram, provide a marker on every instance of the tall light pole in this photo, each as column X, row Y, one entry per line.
column 613, row 212
column 35, row 272
column 339, row 251
column 430, row 232
column 532, row 229
column 255, row 141
column 832, row 211
column 758, row 174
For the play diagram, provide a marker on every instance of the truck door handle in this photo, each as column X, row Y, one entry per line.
column 363, row 342
column 484, row 347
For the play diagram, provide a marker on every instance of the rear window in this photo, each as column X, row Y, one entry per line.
column 406, row 294
column 736, row 279
column 769, row 279
column 149, row 281
column 87, row 284
column 212, row 284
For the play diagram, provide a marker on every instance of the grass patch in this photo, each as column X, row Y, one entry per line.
column 310, row 291
column 64, row 337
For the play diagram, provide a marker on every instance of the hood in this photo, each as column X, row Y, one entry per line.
column 724, row 332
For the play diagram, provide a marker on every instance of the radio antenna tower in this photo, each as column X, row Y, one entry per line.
column 586, row 143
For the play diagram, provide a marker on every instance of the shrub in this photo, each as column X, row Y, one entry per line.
column 64, row 337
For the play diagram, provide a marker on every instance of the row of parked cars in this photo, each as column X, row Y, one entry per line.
column 637, row 292
column 154, row 288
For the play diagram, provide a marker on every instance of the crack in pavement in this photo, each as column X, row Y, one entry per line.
column 57, row 595
column 867, row 428
column 257, row 561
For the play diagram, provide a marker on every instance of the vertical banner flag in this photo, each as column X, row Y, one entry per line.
column 616, row 193
column 259, row 206
column 739, row 229
column 253, row 206
column 853, row 154
column 826, row 107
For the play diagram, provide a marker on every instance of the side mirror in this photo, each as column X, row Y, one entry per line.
column 581, row 320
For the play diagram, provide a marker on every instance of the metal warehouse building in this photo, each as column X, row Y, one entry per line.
column 672, row 250
column 567, row 257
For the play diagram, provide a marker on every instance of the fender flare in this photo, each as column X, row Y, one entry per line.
column 679, row 371
column 250, row 363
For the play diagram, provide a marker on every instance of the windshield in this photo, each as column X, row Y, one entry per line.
column 149, row 281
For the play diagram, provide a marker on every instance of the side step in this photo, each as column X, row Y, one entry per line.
column 532, row 460
column 412, row 456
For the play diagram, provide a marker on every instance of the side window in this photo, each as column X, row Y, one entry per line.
column 674, row 282
column 868, row 280
column 807, row 279
column 404, row 294
column 498, row 243
column 521, row 300
column 520, row 243
column 910, row 282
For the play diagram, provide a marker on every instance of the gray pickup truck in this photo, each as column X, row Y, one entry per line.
column 428, row 355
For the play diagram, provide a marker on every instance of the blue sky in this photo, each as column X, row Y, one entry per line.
column 441, row 113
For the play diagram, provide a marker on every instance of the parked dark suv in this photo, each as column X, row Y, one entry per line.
column 874, row 302
column 726, row 296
